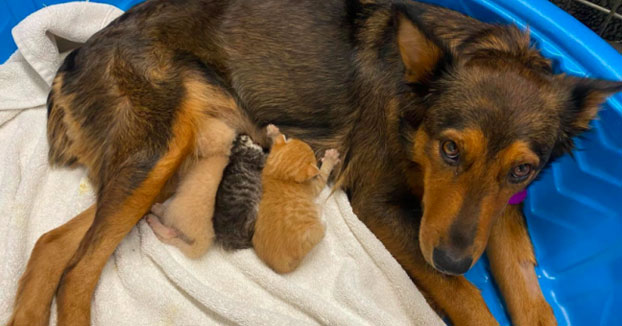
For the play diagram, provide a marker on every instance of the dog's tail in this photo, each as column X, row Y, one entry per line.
column 62, row 150
column 59, row 153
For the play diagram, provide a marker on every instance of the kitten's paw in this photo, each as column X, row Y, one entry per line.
column 331, row 156
column 247, row 142
column 158, row 209
column 272, row 131
column 244, row 139
column 162, row 231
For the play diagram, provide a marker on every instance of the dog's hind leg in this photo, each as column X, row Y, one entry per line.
column 512, row 263
column 121, row 202
column 47, row 262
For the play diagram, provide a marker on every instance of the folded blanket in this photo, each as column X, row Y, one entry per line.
column 348, row 279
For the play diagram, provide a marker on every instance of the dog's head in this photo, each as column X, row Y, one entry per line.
column 491, row 115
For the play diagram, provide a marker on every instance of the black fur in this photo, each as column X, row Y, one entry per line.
column 238, row 195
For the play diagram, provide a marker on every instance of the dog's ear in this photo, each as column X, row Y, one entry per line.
column 584, row 97
column 421, row 53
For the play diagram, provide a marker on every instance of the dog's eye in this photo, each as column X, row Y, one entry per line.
column 520, row 172
column 450, row 151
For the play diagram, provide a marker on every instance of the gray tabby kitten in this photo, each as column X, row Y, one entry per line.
column 238, row 196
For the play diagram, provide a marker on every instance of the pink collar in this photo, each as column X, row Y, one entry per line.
column 518, row 197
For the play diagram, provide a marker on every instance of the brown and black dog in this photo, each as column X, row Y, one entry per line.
column 441, row 119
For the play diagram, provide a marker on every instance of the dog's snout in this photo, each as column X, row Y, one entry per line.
column 448, row 262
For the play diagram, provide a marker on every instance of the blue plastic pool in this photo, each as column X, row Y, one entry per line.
column 574, row 212
column 13, row 11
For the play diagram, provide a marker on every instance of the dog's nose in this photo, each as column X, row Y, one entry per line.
column 445, row 262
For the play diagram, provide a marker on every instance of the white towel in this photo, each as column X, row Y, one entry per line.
column 348, row 279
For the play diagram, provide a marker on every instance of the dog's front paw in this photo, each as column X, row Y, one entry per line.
column 538, row 313
column 545, row 315
column 25, row 316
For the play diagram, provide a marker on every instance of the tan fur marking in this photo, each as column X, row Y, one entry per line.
column 212, row 101
column 517, row 153
column 444, row 195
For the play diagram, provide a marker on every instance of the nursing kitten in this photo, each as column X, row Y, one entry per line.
column 238, row 196
column 186, row 220
column 288, row 224
column 235, row 205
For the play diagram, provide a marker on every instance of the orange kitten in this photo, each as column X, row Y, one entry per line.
column 288, row 223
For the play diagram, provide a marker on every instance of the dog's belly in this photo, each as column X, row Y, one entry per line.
column 292, row 65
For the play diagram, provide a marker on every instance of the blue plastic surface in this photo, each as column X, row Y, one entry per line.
column 13, row 11
column 574, row 212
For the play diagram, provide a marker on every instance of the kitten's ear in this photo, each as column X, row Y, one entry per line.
column 279, row 140
column 306, row 174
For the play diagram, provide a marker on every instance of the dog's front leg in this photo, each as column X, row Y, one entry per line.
column 512, row 263
column 454, row 296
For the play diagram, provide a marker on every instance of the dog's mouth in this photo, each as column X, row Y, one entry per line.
column 454, row 248
column 455, row 228
column 449, row 260
column 447, row 263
